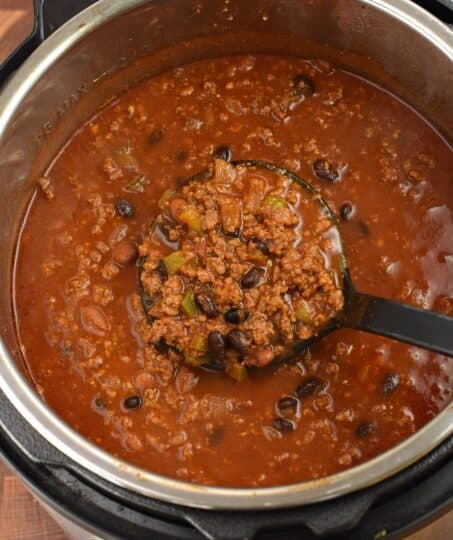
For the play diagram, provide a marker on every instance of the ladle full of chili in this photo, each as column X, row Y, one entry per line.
column 358, row 310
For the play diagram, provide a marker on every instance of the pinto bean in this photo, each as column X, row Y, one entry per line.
column 94, row 320
column 309, row 387
column 238, row 340
column 216, row 344
column 125, row 254
column 252, row 277
column 206, row 304
column 324, row 170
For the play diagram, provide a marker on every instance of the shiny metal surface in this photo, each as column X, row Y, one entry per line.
column 415, row 52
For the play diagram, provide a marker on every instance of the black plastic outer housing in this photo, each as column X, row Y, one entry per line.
column 389, row 509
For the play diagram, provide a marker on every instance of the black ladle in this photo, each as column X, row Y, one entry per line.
column 369, row 313
column 362, row 311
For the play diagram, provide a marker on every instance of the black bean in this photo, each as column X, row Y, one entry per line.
column 284, row 425
column 262, row 245
column 182, row 181
column 252, row 277
column 364, row 230
column 66, row 351
column 222, row 152
column 233, row 316
column 132, row 402
column 155, row 136
column 162, row 270
column 232, row 234
column 147, row 301
column 303, row 85
column 216, row 344
column 206, row 304
column 181, row 156
column 238, row 340
column 162, row 346
column 125, row 208
column 214, row 363
column 216, row 435
column 391, row 381
column 287, row 403
column 99, row 403
column 347, row 211
column 365, row 428
column 325, row 170
column 309, row 387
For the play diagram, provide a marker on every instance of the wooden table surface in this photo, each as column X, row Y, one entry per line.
column 21, row 518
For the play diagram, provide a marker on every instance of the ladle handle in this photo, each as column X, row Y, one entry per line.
column 402, row 322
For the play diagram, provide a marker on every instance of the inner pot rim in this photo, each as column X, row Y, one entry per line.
column 123, row 474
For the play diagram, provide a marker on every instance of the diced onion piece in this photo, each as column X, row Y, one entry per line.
column 194, row 361
column 124, row 158
column 191, row 217
column 199, row 343
column 188, row 305
column 275, row 202
column 236, row 371
column 303, row 312
column 137, row 184
column 174, row 262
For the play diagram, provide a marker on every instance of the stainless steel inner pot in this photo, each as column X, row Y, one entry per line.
column 53, row 92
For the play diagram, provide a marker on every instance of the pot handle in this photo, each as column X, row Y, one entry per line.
column 49, row 15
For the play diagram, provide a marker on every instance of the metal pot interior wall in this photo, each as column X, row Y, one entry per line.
column 116, row 44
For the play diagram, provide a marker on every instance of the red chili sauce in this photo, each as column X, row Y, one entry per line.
column 385, row 172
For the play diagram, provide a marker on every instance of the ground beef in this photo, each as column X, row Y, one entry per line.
column 249, row 240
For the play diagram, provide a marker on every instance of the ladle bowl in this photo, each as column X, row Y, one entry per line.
column 361, row 311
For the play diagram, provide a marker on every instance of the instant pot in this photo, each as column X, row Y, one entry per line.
column 53, row 82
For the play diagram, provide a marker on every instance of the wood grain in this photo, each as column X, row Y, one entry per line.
column 16, row 22
column 21, row 518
